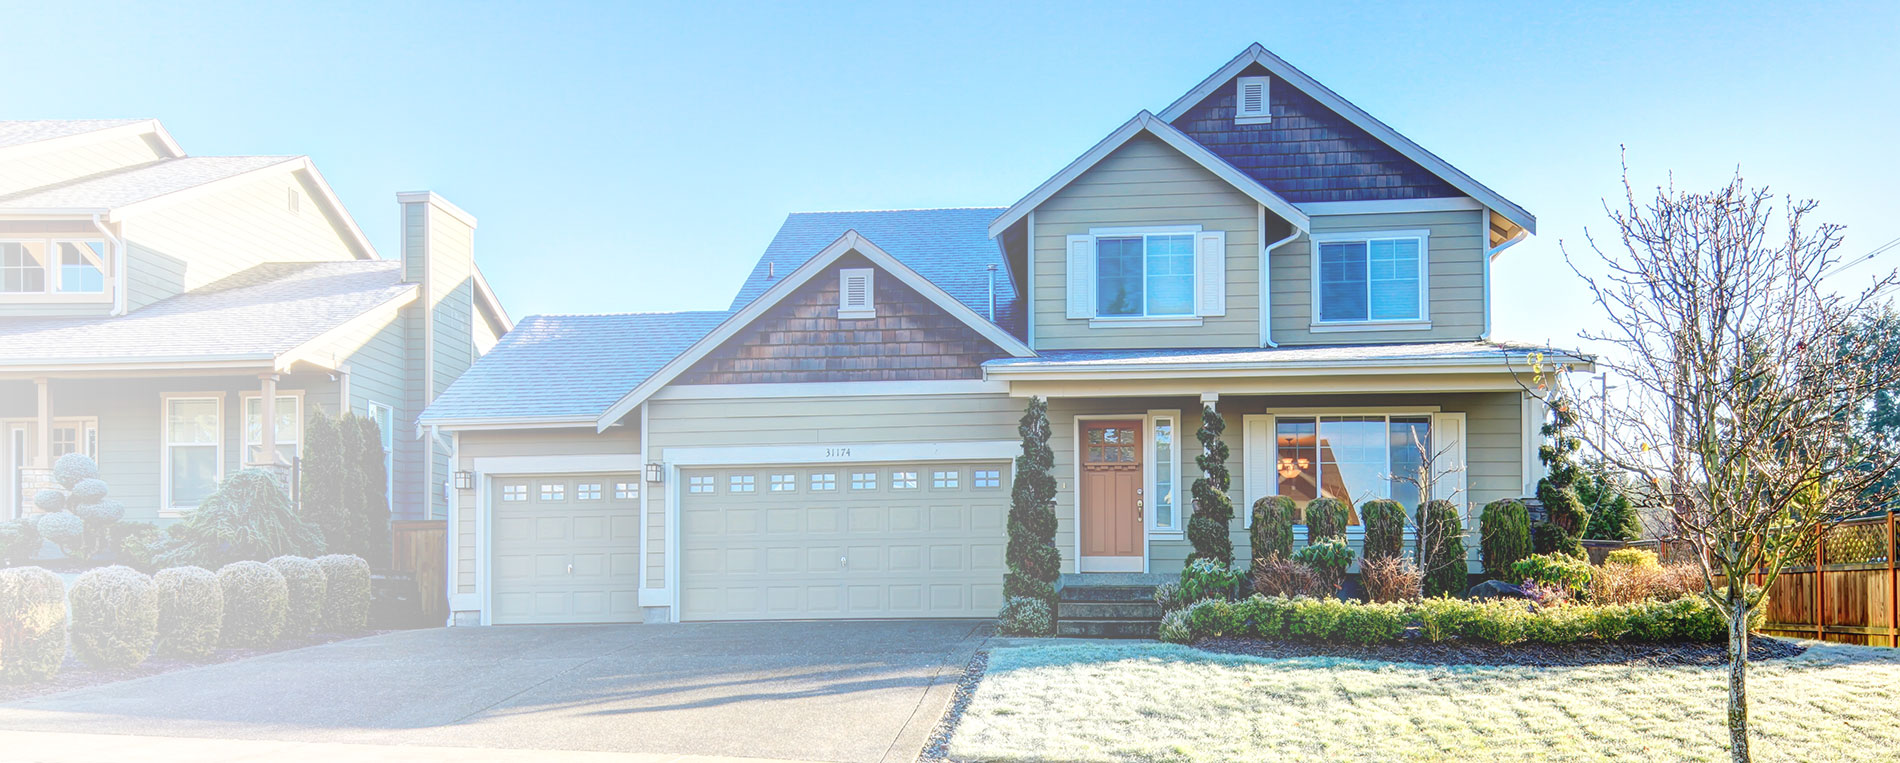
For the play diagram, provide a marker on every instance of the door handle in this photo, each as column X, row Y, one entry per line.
column 570, row 568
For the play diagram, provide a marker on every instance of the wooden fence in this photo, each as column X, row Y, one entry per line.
column 1844, row 589
column 419, row 547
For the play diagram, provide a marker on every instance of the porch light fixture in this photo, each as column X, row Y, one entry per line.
column 654, row 473
column 464, row 480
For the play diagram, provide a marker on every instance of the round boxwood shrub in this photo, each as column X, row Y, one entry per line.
column 1025, row 616
column 73, row 468
column 63, row 528
column 255, row 600
column 1385, row 528
column 115, row 617
column 1325, row 518
column 306, row 594
column 345, row 592
column 190, row 612
column 1504, row 531
column 32, row 624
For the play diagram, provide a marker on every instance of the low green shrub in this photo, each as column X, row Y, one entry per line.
column 305, row 590
column 1504, row 536
column 1328, row 558
column 135, row 544
column 1326, row 518
column 1212, row 618
column 114, row 617
column 1271, row 534
column 19, row 542
column 1442, row 618
column 1262, row 616
column 1025, row 616
column 32, row 624
column 1371, row 623
column 1633, row 557
column 255, row 600
column 190, row 612
column 1315, row 619
column 1208, row 579
column 1174, row 628
column 1385, row 528
column 1554, row 570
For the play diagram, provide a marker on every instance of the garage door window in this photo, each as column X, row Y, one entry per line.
column 944, row 479
column 784, row 483
column 553, row 491
column 987, row 478
column 904, row 480
column 824, row 481
column 742, row 483
column 699, row 485
column 587, row 491
column 513, row 493
column 864, row 480
column 626, row 490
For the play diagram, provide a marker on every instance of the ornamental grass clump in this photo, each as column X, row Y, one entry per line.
column 305, row 593
column 346, row 592
column 190, row 612
column 114, row 617
column 255, row 601
column 32, row 624
column 1390, row 579
column 1275, row 576
column 1384, row 519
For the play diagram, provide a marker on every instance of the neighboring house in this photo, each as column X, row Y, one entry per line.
column 150, row 301
column 840, row 442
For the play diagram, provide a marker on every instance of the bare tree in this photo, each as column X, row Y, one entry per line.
column 1743, row 379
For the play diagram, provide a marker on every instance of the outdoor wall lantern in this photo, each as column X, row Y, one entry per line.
column 464, row 480
column 654, row 473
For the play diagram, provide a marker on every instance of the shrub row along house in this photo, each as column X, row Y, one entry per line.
column 151, row 301
column 838, row 443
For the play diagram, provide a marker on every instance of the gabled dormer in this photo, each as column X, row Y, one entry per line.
column 1259, row 209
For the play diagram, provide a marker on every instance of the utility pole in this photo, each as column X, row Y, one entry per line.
column 1603, row 400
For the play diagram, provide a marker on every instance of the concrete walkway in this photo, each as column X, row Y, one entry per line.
column 849, row 692
column 54, row 747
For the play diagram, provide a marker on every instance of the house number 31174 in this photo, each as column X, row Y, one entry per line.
column 837, row 453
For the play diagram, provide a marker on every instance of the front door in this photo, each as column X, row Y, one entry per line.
column 1111, row 497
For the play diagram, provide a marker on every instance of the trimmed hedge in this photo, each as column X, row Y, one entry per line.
column 346, row 592
column 32, row 624
column 255, row 600
column 1272, row 532
column 1504, row 535
column 190, row 612
column 1385, row 528
column 1326, row 518
column 115, row 617
column 1502, row 622
column 306, row 593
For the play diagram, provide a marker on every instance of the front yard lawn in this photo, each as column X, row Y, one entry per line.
column 1161, row 702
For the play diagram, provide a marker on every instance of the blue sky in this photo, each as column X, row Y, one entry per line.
column 638, row 157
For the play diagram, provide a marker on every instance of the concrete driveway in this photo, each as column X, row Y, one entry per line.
column 843, row 691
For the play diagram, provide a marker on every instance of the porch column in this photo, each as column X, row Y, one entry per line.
column 43, row 457
column 267, row 419
column 1210, row 400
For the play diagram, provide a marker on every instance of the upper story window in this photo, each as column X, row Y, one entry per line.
column 52, row 266
column 1371, row 277
column 1128, row 276
column 22, row 267
column 82, row 266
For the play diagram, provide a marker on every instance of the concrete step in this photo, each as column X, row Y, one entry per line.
column 1108, row 610
column 1113, row 593
column 1108, row 628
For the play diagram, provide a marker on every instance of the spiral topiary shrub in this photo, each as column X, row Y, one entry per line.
column 1441, row 539
column 255, row 600
column 1325, row 518
column 1271, row 535
column 1025, row 616
column 1031, row 555
column 1504, row 536
column 32, row 624
column 1385, row 528
column 190, row 612
column 346, row 592
column 1213, row 509
column 306, row 591
column 115, row 617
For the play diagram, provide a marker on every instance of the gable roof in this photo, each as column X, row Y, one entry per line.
column 951, row 247
column 851, row 241
column 1257, row 55
column 29, row 135
column 598, row 358
column 268, row 315
column 119, row 188
column 1148, row 123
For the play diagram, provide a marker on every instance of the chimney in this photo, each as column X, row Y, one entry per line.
column 438, row 252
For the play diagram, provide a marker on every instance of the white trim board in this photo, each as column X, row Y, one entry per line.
column 64, row 142
column 976, row 450
column 835, row 389
column 1257, row 54
column 851, row 241
column 1146, row 122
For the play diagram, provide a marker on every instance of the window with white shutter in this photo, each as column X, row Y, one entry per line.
column 1250, row 101
column 1136, row 276
column 854, row 294
column 1210, row 251
column 1081, row 276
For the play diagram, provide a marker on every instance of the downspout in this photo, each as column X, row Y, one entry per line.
column 1489, row 255
column 1266, row 275
column 119, row 264
column 992, row 269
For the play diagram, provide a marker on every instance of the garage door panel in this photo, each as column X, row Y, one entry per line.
column 566, row 550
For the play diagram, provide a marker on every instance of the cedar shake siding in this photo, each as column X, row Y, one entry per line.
column 801, row 339
column 1308, row 152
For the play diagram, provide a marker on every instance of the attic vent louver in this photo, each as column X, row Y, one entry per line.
column 855, row 294
column 1251, row 103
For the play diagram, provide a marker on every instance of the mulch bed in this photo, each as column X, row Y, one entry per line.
column 74, row 674
column 1418, row 650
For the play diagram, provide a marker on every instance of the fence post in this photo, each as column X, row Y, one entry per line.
column 1893, row 589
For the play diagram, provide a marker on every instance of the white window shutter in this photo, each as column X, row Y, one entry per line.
column 855, row 296
column 1210, row 270
column 1081, row 276
column 1257, row 470
column 1448, row 458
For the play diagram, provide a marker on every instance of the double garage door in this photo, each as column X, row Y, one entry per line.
column 842, row 541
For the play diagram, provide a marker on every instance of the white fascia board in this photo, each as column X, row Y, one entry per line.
column 502, row 424
column 143, row 127
column 1036, row 371
column 487, row 295
column 978, row 450
column 1146, row 122
column 838, row 389
column 1257, row 54
column 851, row 241
column 119, row 214
column 248, row 361
column 567, row 464
column 431, row 197
column 312, row 350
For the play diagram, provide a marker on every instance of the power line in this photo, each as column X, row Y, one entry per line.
column 1863, row 259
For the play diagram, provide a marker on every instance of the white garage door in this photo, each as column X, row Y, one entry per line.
column 843, row 541
column 566, row 549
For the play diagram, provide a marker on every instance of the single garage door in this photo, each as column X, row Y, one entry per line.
column 843, row 541
column 566, row 549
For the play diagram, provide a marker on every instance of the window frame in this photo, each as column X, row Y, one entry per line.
column 1177, row 525
column 50, row 270
column 244, row 427
column 1435, row 417
column 1420, row 323
column 98, row 259
column 1193, row 315
column 165, row 445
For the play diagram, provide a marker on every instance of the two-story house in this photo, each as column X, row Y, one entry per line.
column 839, row 442
column 151, row 302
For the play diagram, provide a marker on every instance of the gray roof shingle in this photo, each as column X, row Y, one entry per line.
column 569, row 366
column 139, row 182
column 17, row 132
column 260, row 312
column 951, row 248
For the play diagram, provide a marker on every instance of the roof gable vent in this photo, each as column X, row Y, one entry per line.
column 1251, row 105
column 855, row 295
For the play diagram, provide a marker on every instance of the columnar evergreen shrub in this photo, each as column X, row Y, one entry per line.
column 1213, row 510
column 1025, row 616
column 1034, row 563
column 369, row 504
column 323, row 499
column 1385, row 528
column 1325, row 518
column 255, row 601
column 1271, row 534
column 1441, row 556
column 1504, row 535
column 1613, row 515
column 305, row 594
column 248, row 518
column 1550, row 538
column 1557, row 490
column 114, row 617
column 346, row 592
column 190, row 612
column 32, row 624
